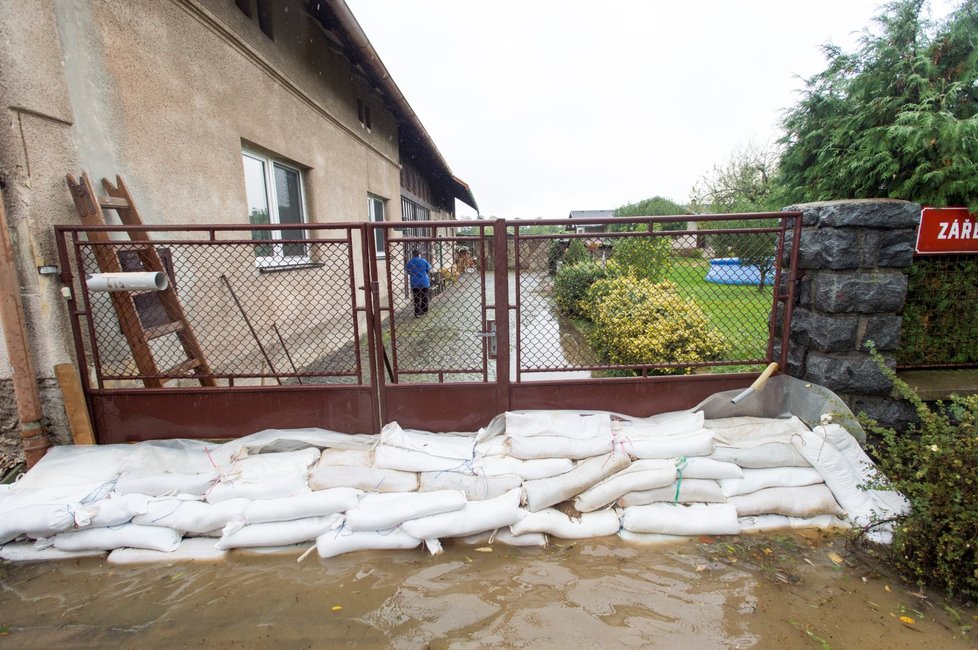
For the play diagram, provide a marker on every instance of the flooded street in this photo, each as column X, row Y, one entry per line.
column 760, row 592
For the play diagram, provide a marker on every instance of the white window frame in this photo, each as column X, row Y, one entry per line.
column 373, row 201
column 278, row 257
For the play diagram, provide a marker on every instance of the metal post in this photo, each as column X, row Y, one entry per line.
column 501, row 285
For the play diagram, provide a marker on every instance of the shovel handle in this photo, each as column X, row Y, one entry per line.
column 760, row 381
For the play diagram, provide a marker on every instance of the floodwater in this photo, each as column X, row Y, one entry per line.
column 794, row 591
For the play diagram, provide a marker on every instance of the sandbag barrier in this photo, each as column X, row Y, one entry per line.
column 523, row 478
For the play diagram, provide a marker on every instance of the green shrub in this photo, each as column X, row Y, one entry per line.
column 576, row 253
column 555, row 253
column 571, row 285
column 935, row 465
column 649, row 258
column 638, row 322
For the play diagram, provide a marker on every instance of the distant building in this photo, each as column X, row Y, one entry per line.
column 583, row 216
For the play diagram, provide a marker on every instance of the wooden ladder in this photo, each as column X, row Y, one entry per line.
column 90, row 207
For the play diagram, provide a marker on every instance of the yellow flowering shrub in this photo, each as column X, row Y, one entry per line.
column 639, row 322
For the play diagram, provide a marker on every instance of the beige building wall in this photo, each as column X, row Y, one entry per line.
column 166, row 93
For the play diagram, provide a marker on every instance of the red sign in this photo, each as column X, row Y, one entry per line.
column 947, row 230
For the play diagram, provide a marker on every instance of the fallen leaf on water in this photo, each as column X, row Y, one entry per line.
column 907, row 620
column 835, row 557
column 809, row 561
column 886, row 587
column 701, row 567
column 468, row 559
column 768, row 551
column 337, row 608
column 484, row 549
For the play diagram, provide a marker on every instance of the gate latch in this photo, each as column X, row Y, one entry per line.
column 491, row 335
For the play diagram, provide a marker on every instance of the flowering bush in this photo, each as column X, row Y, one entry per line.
column 638, row 322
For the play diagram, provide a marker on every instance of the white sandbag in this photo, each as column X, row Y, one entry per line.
column 32, row 552
column 545, row 492
column 409, row 460
column 277, row 533
column 840, row 478
column 773, row 454
column 475, row 516
column 384, row 511
column 459, row 447
column 806, row 501
column 564, row 424
column 691, row 490
column 193, row 549
column 640, row 475
column 125, row 536
column 691, row 443
column 164, row 483
column 863, row 466
column 525, row 469
column 43, row 520
column 475, row 488
column 556, row 523
column 663, row 424
column 709, row 468
column 529, row 447
column 695, row 519
column 768, row 523
column 504, row 536
column 268, row 486
column 495, row 446
column 342, row 541
column 347, row 457
column 651, row 539
column 368, row 479
column 758, row 479
column 313, row 504
column 119, row 509
column 748, row 431
column 260, row 466
column 189, row 516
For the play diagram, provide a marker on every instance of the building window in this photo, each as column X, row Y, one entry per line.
column 259, row 10
column 377, row 211
column 363, row 114
column 411, row 211
column 275, row 196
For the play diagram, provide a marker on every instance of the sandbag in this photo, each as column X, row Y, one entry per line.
column 709, row 468
column 385, row 511
column 347, row 457
column 459, row 447
column 863, row 466
column 748, row 431
column 475, row 488
column 840, row 478
column 806, row 501
column 504, row 536
column 691, row 490
column 193, row 549
column 767, row 523
column 409, row 460
column 651, row 539
column 260, row 466
column 342, row 541
column 118, row 509
column 530, row 447
column 758, row 479
column 43, row 520
column 125, row 536
column 188, row 516
column 157, row 484
column 662, row 424
column 474, row 517
column 277, row 533
column 556, row 523
column 495, row 446
column 33, row 552
column 695, row 519
column 545, row 492
column 564, row 424
column 270, row 486
column 313, row 504
column 639, row 475
column 368, row 479
column 774, row 454
column 692, row 443
column 525, row 469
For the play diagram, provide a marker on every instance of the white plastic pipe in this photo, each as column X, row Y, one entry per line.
column 148, row 281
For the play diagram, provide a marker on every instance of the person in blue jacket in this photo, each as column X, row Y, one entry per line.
column 418, row 269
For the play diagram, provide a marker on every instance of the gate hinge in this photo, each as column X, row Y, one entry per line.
column 374, row 287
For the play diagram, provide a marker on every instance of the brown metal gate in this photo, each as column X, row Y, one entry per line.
column 314, row 326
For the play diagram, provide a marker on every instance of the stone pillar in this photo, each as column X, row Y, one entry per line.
column 852, row 267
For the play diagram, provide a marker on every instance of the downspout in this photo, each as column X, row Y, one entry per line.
column 35, row 441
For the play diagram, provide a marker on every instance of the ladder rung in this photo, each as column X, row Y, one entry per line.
column 113, row 202
column 181, row 369
column 163, row 330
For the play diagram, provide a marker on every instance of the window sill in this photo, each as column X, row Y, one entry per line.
column 280, row 268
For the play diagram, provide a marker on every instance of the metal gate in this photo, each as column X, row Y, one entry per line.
column 315, row 325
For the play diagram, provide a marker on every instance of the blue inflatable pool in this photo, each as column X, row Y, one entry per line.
column 727, row 270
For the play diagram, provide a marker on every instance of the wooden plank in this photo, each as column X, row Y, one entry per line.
column 75, row 405
column 163, row 330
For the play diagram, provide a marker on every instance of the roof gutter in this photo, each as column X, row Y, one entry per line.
column 369, row 58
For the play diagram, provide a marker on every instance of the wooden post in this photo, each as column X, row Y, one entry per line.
column 75, row 406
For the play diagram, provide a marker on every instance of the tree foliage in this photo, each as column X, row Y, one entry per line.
column 897, row 118
column 657, row 206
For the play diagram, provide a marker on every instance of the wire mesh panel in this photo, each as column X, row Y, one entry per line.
column 940, row 316
column 647, row 297
column 261, row 313
column 436, row 327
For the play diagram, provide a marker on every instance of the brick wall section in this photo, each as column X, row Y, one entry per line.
column 852, row 265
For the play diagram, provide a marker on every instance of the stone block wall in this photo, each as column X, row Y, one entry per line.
column 852, row 282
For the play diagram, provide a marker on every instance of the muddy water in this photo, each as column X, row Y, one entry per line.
column 773, row 592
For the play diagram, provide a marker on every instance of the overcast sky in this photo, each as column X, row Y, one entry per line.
column 548, row 106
